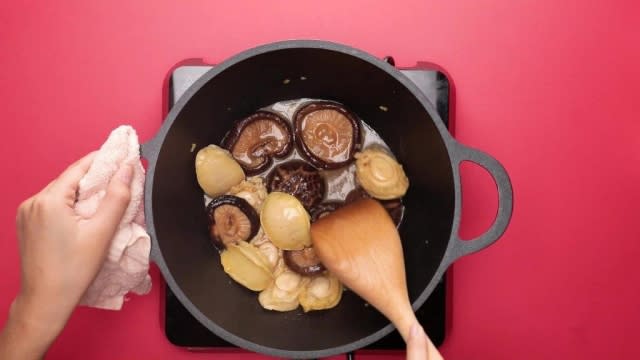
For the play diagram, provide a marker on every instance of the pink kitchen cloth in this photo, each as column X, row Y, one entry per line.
column 126, row 267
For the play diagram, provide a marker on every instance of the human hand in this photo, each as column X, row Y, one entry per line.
column 61, row 252
column 419, row 346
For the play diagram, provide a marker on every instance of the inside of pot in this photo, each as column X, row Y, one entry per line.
column 379, row 100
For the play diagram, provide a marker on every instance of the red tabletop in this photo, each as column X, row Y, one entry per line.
column 549, row 88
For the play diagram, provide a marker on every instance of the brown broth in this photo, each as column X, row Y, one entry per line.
column 340, row 182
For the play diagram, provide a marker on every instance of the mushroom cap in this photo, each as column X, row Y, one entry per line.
column 231, row 220
column 299, row 179
column 303, row 262
column 394, row 207
column 254, row 141
column 324, row 209
column 356, row 194
column 327, row 134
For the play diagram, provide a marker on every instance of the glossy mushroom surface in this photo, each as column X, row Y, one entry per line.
column 323, row 209
column 356, row 194
column 257, row 139
column 394, row 207
column 303, row 262
column 231, row 220
column 299, row 179
column 327, row 134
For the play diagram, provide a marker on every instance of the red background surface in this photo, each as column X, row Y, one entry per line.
column 546, row 87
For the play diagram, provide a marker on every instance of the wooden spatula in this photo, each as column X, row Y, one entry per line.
column 360, row 244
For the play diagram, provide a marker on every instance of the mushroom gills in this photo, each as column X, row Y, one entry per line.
column 327, row 134
column 299, row 179
column 255, row 140
column 231, row 220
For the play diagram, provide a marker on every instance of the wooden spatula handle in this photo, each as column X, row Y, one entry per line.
column 360, row 244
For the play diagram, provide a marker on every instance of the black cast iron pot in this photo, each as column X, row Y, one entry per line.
column 410, row 126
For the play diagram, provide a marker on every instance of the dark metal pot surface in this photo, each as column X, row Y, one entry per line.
column 409, row 124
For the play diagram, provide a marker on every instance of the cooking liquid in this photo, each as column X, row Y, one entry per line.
column 339, row 182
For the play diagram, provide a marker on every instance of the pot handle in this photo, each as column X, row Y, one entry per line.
column 505, row 200
column 150, row 150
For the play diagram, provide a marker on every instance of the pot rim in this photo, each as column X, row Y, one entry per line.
column 150, row 151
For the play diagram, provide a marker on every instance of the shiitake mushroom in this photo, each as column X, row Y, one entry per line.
column 356, row 194
column 299, row 179
column 327, row 134
column 394, row 207
column 303, row 262
column 231, row 220
column 324, row 209
column 256, row 140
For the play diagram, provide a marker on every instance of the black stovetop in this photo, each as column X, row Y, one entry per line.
column 182, row 329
